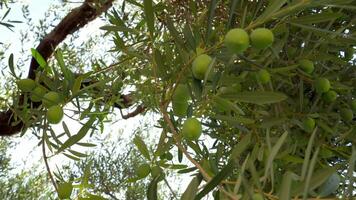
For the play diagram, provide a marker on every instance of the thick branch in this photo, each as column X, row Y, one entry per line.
column 75, row 20
column 139, row 109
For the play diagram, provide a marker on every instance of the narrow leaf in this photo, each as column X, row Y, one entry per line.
column 192, row 189
column 258, row 97
column 152, row 189
column 217, row 179
column 141, row 146
column 274, row 152
column 38, row 57
column 149, row 14
column 76, row 138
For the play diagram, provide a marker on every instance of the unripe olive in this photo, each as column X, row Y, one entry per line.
column 346, row 114
column 263, row 76
column 330, row 185
column 308, row 124
column 143, row 170
column 168, row 156
column 306, row 65
column 200, row 66
column 191, row 129
column 257, row 196
column 353, row 105
column 54, row 114
column 237, row 40
column 51, row 98
column 64, row 190
column 26, row 85
column 38, row 93
column 329, row 96
column 157, row 171
column 261, row 38
column 180, row 109
column 322, row 85
column 181, row 93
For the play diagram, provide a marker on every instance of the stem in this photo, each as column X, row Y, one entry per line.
column 170, row 188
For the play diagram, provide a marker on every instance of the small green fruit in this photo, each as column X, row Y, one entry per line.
column 237, row 40
column 263, row 76
column 191, row 129
column 308, row 124
column 38, row 93
column 181, row 93
column 54, row 114
column 306, row 65
column 26, row 85
column 322, row 85
column 51, row 98
column 346, row 114
column 257, row 196
column 157, row 171
column 64, row 190
column 200, row 66
column 330, row 185
column 353, row 105
column 168, row 156
column 143, row 170
column 329, row 96
column 261, row 38
column 180, row 108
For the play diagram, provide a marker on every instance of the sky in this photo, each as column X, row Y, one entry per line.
column 26, row 153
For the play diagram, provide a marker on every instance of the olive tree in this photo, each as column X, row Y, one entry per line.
column 257, row 96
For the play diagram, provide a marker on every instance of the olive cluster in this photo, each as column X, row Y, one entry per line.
column 50, row 100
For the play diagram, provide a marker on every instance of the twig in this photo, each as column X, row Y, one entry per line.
column 139, row 109
column 170, row 188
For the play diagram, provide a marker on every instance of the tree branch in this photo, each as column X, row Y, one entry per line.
column 139, row 109
column 74, row 20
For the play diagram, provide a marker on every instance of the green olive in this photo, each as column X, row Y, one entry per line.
column 26, row 85
column 181, row 93
column 157, row 171
column 38, row 93
column 306, row 65
column 263, row 76
column 329, row 96
column 237, row 40
column 191, row 129
column 257, row 196
column 51, row 98
column 322, row 85
column 261, row 38
column 346, row 114
column 200, row 66
column 353, row 105
column 54, row 114
column 308, row 124
column 330, row 185
column 143, row 170
column 180, row 109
